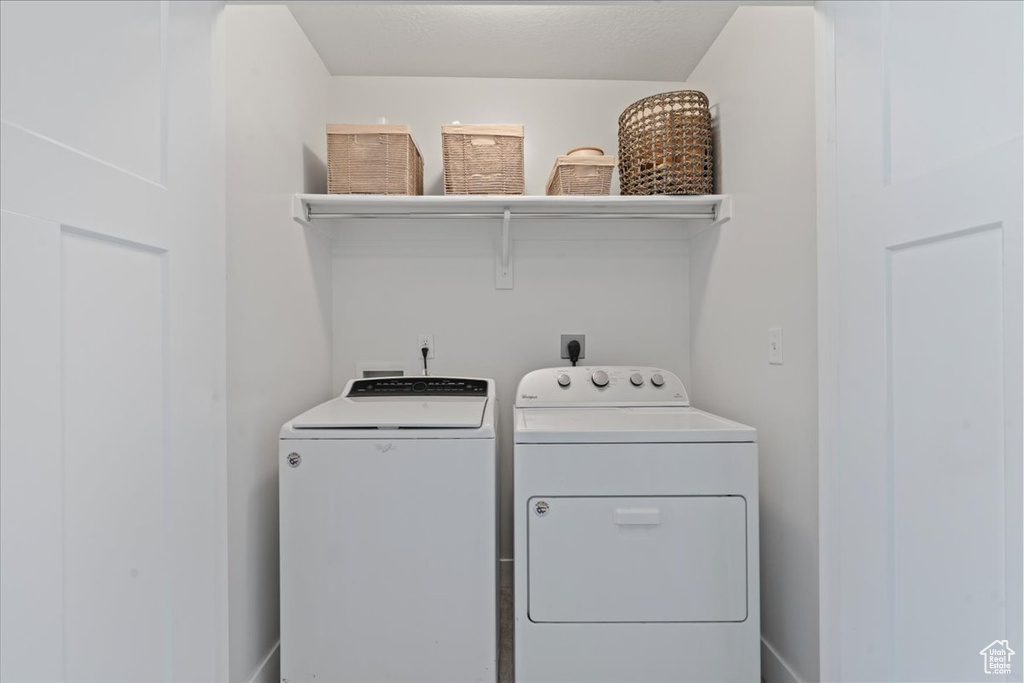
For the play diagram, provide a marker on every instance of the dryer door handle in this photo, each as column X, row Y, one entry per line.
column 637, row 516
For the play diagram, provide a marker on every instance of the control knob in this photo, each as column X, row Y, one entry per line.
column 657, row 380
column 564, row 380
column 599, row 378
column 636, row 379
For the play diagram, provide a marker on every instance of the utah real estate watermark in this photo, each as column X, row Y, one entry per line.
column 997, row 657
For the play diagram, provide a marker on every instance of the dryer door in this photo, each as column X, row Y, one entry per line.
column 640, row 559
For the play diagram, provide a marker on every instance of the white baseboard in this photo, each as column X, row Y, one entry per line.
column 269, row 668
column 775, row 669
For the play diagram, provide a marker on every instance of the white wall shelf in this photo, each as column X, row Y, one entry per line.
column 698, row 212
column 691, row 214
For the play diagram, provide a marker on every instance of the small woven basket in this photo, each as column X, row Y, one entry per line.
column 576, row 174
column 482, row 159
column 378, row 159
column 665, row 145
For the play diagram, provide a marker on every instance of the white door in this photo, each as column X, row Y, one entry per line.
column 606, row 559
column 921, row 308
column 112, row 465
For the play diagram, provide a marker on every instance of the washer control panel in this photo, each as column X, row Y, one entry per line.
column 616, row 385
column 418, row 386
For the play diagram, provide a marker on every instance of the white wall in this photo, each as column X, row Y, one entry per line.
column 628, row 293
column 278, row 295
column 759, row 271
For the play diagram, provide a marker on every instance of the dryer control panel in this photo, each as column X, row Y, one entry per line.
column 417, row 386
column 615, row 385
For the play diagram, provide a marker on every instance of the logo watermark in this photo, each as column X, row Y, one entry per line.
column 997, row 657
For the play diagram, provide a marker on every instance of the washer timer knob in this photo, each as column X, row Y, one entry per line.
column 564, row 380
column 636, row 379
column 599, row 378
column 657, row 380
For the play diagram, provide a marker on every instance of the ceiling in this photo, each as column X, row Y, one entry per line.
column 638, row 41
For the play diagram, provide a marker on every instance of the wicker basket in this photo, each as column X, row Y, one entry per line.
column 482, row 159
column 576, row 174
column 378, row 159
column 665, row 145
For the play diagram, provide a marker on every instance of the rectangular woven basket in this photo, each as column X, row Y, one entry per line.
column 373, row 159
column 581, row 175
column 482, row 159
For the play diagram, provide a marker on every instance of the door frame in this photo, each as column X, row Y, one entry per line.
column 828, row 365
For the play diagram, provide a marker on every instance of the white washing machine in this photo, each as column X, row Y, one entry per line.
column 388, row 526
column 636, row 532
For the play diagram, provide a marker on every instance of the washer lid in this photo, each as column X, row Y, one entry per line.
column 627, row 425
column 395, row 412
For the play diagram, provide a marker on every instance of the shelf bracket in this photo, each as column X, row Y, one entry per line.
column 503, row 271
column 723, row 211
column 301, row 211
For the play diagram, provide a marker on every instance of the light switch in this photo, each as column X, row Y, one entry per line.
column 775, row 346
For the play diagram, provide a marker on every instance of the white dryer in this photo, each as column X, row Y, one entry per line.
column 388, row 524
column 636, row 532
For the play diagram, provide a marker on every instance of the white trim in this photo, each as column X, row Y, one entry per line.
column 269, row 668
column 769, row 3
column 218, row 121
column 828, row 386
column 775, row 669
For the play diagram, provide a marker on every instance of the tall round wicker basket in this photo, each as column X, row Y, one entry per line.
column 665, row 145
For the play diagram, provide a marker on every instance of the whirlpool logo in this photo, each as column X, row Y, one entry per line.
column 527, row 397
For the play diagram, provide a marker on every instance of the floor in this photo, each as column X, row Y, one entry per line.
column 506, row 670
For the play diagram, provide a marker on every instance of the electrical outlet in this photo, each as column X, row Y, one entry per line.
column 581, row 338
column 428, row 341
column 775, row 346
